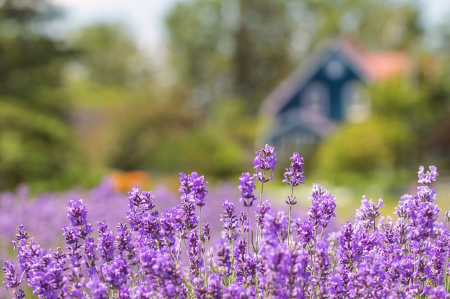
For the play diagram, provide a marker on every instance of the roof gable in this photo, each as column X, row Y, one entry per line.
column 365, row 65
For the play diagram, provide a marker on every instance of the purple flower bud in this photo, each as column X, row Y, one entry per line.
column 246, row 187
column 98, row 289
column 230, row 220
column 275, row 228
column 429, row 177
column 140, row 200
column 245, row 223
column 223, row 259
column 195, row 254
column 188, row 218
column 322, row 206
column 261, row 212
column 368, row 209
column 305, row 230
column 194, row 185
column 214, row 287
column 116, row 273
column 105, row 243
column 245, row 264
column 265, row 160
column 294, row 174
column 11, row 278
column 205, row 236
column 77, row 212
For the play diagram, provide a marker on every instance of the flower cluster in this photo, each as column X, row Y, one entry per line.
column 194, row 185
column 166, row 254
column 246, row 187
column 265, row 160
column 294, row 175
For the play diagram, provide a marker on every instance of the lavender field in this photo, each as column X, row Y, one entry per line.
column 172, row 246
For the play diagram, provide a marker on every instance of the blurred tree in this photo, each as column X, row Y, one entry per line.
column 110, row 56
column 244, row 48
column 165, row 140
column 35, row 140
column 400, row 134
column 109, row 83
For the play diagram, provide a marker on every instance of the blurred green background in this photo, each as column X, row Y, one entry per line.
column 80, row 103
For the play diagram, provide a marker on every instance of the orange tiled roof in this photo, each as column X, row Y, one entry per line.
column 378, row 65
column 125, row 181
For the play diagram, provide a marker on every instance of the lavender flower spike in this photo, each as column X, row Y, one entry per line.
column 195, row 185
column 368, row 209
column 246, row 187
column 265, row 160
column 429, row 177
column 294, row 174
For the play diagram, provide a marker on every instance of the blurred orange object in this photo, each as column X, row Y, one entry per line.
column 125, row 181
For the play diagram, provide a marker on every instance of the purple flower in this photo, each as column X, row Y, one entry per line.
column 199, row 288
column 322, row 206
column 322, row 268
column 223, row 259
column 294, row 174
column 261, row 212
column 12, row 279
column 116, row 273
column 277, row 259
column 77, row 214
column 245, row 264
column 399, row 258
column 170, row 224
column 89, row 255
column 237, row 291
column 439, row 293
column 205, row 235
column 305, row 230
column 141, row 200
column 370, row 280
column 348, row 248
column 98, row 289
column 195, row 185
column 230, row 220
column 162, row 275
column 214, row 287
column 265, row 160
column 105, row 243
column 245, row 223
column 429, row 177
column 424, row 193
column 195, row 254
column 246, row 187
column 123, row 240
column 189, row 220
column 368, row 209
column 275, row 228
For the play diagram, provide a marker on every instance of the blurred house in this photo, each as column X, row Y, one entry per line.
column 326, row 90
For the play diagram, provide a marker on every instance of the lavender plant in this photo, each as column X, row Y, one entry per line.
column 374, row 257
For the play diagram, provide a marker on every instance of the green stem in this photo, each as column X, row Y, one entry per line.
column 179, row 250
column 289, row 220
column 201, row 244
column 248, row 232
column 232, row 253
column 259, row 215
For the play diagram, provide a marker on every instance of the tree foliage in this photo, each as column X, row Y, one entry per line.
column 35, row 139
column 246, row 47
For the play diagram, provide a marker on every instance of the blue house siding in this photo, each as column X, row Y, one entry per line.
column 334, row 86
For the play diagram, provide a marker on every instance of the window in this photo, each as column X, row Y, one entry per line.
column 356, row 102
column 316, row 97
column 335, row 69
